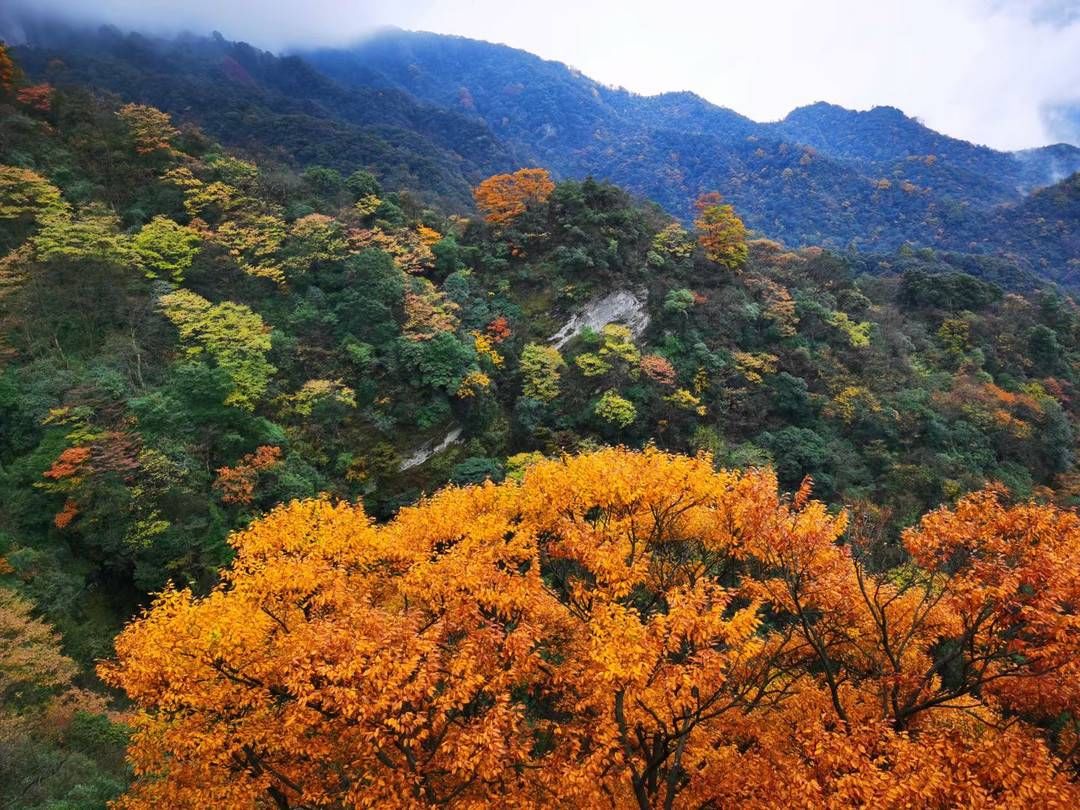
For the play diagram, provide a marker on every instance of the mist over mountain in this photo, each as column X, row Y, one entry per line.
column 991, row 71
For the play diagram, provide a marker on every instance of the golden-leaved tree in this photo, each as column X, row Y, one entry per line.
column 721, row 234
column 502, row 198
column 616, row 629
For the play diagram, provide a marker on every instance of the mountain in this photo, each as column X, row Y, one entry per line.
column 437, row 113
column 567, row 117
column 278, row 106
column 236, row 379
column 883, row 138
column 874, row 179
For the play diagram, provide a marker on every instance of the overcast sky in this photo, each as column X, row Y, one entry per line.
column 1000, row 72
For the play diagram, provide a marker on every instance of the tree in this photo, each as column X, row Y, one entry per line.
column 615, row 410
column 617, row 629
column 38, row 97
column 679, row 302
column 325, row 182
column 8, row 71
column 541, row 368
column 236, row 485
column 504, row 197
column 166, row 248
column 428, row 311
column 441, row 362
column 671, row 246
column 93, row 235
column 151, row 130
column 24, row 193
column 321, row 394
column 658, row 369
column 313, row 240
column 30, row 657
column 231, row 334
column 362, row 185
column 254, row 241
column 616, row 348
column 856, row 332
column 721, row 234
column 55, row 742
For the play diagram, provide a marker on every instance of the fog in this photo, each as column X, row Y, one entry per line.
column 1001, row 72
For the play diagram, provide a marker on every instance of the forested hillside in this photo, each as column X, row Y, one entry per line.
column 436, row 114
column 824, row 175
column 277, row 107
column 345, row 309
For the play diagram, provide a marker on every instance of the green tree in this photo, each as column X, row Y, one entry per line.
column 363, row 184
column 678, row 301
column 541, row 368
column 231, row 334
column 166, row 248
column 440, row 362
column 615, row 410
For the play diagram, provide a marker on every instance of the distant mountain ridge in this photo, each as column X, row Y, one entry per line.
column 824, row 174
column 281, row 106
column 437, row 113
column 502, row 86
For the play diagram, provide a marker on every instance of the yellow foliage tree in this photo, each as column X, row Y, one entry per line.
column 721, row 234
column 151, row 129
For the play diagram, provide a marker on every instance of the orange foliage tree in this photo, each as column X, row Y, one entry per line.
column 658, row 369
column 8, row 72
column 721, row 234
column 617, row 629
column 504, row 197
column 236, row 485
column 499, row 329
column 36, row 96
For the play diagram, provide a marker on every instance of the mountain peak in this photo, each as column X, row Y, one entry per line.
column 887, row 111
column 825, row 109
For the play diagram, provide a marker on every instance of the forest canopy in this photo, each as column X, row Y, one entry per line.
column 618, row 629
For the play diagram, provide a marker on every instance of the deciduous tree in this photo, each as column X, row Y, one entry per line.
column 721, row 234
column 9, row 73
column 231, row 334
column 615, row 410
column 37, row 97
column 166, row 248
column 614, row 630
column 151, row 129
column 541, row 368
column 504, row 197
column 24, row 193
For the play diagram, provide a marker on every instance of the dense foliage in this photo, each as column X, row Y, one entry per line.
column 189, row 338
column 617, row 630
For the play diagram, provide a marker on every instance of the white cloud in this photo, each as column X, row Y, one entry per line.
column 984, row 70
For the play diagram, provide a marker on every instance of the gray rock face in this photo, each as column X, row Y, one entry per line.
column 621, row 306
column 423, row 453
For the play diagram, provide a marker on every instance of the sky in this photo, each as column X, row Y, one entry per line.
column 1005, row 73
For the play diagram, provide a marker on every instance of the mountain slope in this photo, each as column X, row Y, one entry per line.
column 435, row 114
column 875, row 179
column 884, row 137
column 566, row 116
column 277, row 106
